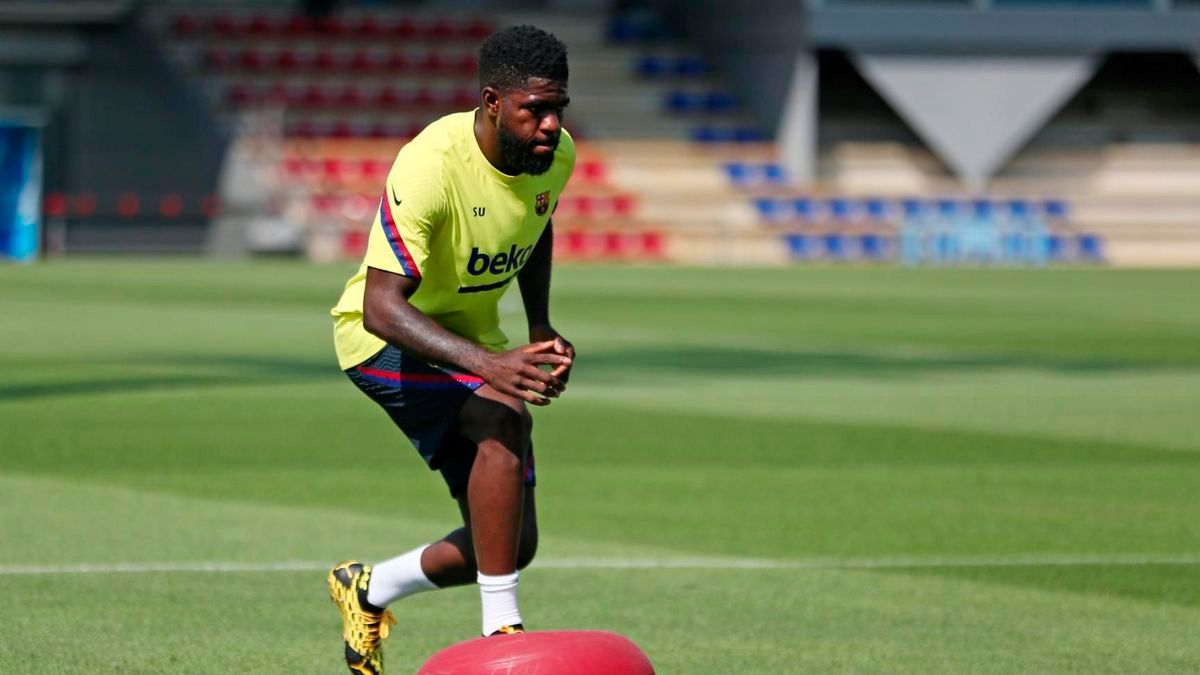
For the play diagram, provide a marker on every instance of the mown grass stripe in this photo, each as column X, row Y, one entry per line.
column 1088, row 560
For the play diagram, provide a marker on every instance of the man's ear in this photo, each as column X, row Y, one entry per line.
column 491, row 100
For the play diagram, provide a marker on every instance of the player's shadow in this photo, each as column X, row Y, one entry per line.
column 778, row 363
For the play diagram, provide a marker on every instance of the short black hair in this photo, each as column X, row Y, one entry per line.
column 510, row 57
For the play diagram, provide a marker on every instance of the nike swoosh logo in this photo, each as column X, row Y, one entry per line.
column 394, row 200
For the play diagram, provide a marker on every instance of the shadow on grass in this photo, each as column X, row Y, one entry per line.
column 196, row 372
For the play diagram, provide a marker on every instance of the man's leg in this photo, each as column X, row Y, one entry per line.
column 500, row 427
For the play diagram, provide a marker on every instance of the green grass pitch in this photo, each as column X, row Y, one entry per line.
column 754, row 471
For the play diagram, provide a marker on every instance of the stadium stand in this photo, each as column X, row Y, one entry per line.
column 675, row 164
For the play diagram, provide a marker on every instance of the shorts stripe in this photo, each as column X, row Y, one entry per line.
column 422, row 380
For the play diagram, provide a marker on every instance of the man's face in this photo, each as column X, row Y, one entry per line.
column 530, row 124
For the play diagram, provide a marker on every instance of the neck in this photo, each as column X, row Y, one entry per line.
column 486, row 136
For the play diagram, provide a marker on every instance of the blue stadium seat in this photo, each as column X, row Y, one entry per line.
column 1091, row 248
column 739, row 174
column 1056, row 247
column 836, row 246
column 683, row 102
column 748, row 135
column 983, row 208
column 768, row 208
column 877, row 209
column 651, row 67
column 800, row 247
column 775, row 174
column 841, row 209
column 948, row 207
column 874, row 246
column 1019, row 208
column 719, row 102
column 804, row 208
column 913, row 208
column 711, row 134
column 690, row 66
column 1055, row 208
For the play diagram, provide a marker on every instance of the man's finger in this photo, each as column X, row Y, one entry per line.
column 542, row 358
column 543, row 388
column 529, row 396
column 560, row 371
column 542, row 376
column 560, row 345
column 538, row 347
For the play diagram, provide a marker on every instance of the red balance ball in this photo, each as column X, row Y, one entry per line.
column 554, row 652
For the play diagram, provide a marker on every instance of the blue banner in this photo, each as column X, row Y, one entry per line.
column 20, row 192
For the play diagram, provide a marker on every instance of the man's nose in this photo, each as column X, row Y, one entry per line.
column 551, row 124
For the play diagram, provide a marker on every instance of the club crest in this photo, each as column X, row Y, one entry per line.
column 542, row 204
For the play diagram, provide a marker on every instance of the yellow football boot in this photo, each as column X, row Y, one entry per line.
column 363, row 624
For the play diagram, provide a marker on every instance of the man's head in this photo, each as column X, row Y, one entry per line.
column 523, row 77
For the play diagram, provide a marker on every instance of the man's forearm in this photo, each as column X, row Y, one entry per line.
column 534, row 280
column 404, row 326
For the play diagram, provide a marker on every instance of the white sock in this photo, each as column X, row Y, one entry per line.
column 397, row 578
column 499, row 597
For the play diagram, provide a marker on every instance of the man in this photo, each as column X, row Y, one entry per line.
column 466, row 210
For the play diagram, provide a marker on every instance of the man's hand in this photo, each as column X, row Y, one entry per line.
column 516, row 372
column 545, row 333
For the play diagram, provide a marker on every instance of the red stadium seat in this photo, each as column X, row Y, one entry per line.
column 468, row 64
column 171, row 205
column 477, row 29
column 652, row 244
column 439, row 30
column 260, row 25
column 350, row 96
column 240, row 94
column 252, row 59
column 186, row 25
column 623, row 205
column 615, row 244
column 354, row 243
column 403, row 29
column 398, row 62
column 576, row 243
column 423, row 98
column 464, row 98
column 287, row 60
column 297, row 26
column 317, row 96
column 293, row 166
column 431, row 62
column 224, row 25
column 55, row 204
column 326, row 60
column 217, row 59
column 361, row 62
column 592, row 171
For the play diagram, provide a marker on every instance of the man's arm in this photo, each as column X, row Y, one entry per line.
column 534, row 280
column 388, row 315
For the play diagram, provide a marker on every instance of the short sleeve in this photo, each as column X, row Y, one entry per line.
column 412, row 205
column 568, row 146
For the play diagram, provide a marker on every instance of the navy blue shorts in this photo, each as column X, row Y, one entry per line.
column 424, row 401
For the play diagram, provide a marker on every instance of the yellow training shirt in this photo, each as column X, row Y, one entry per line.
column 450, row 218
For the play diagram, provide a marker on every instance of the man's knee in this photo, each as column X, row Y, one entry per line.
column 510, row 427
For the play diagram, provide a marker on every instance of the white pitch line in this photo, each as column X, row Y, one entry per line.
column 1082, row 560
